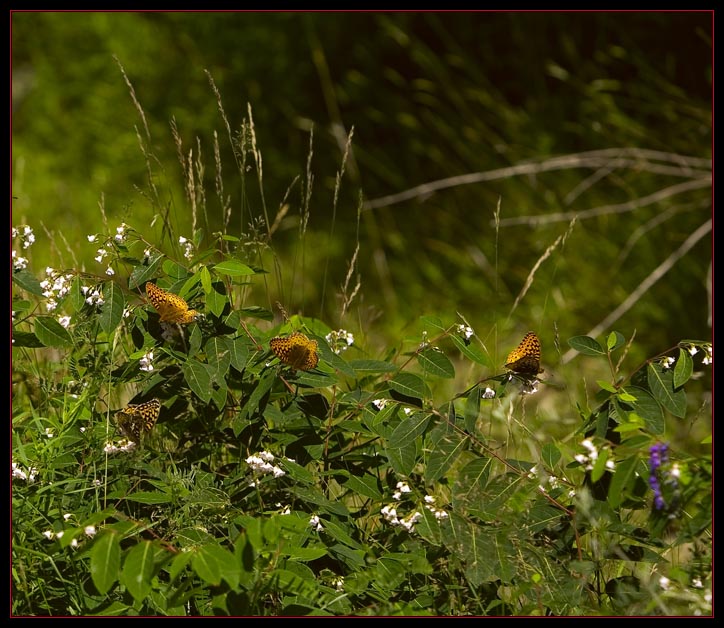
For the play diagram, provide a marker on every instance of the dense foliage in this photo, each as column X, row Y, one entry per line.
column 307, row 411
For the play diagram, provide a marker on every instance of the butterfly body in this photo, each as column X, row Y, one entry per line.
column 525, row 360
column 296, row 350
column 171, row 307
column 137, row 418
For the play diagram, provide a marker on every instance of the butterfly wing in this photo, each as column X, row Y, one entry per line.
column 296, row 350
column 170, row 307
column 526, row 358
column 137, row 418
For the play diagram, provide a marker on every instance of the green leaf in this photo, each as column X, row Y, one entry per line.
column 661, row 383
column 410, row 385
column 145, row 272
column 366, row 485
column 436, row 363
column 76, row 298
column 372, row 366
column 212, row 563
column 444, row 454
column 623, row 476
column 253, row 404
column 615, row 340
column 218, row 354
column 51, row 333
column 683, row 369
column 27, row 281
column 403, row 459
column 472, row 351
column 26, row 339
column 138, row 569
column 599, row 467
column 216, row 299
column 410, row 428
column 469, row 488
column 111, row 312
column 232, row 268
column 550, row 454
column 586, row 346
column 205, row 279
column 239, row 353
column 432, row 321
column 174, row 271
column 105, row 561
column 606, row 386
column 306, row 553
column 198, row 377
column 312, row 495
column 150, row 497
column 206, row 566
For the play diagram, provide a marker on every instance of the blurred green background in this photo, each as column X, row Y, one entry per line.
column 430, row 96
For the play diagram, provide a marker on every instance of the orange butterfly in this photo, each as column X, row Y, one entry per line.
column 137, row 418
column 296, row 350
column 171, row 307
column 525, row 360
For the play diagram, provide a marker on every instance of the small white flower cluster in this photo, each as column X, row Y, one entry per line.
column 120, row 236
column 314, row 523
column 285, row 510
column 55, row 287
column 408, row 522
column 667, row 362
column 380, row 403
column 465, row 331
column 589, row 459
column 424, row 343
column 402, row 487
column 528, row 385
column 124, row 446
column 100, row 254
column 488, row 393
column 261, row 464
column 339, row 340
column 674, row 589
column 430, row 505
column 27, row 235
column 26, row 475
column 19, row 263
column 89, row 531
column 338, row 583
column 708, row 354
column 188, row 247
column 64, row 321
column 146, row 362
column 545, row 481
column 93, row 296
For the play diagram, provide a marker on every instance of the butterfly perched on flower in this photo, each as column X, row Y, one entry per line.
column 295, row 350
column 137, row 418
column 525, row 360
column 171, row 307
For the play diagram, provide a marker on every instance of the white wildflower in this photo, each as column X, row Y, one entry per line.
column 465, row 331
